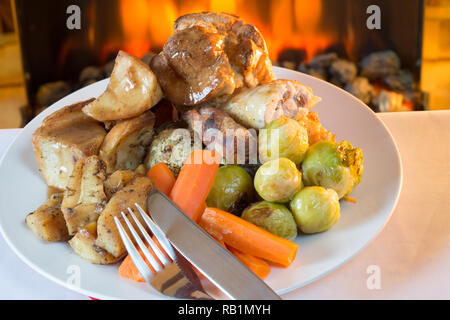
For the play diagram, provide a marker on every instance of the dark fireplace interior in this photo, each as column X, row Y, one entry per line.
column 328, row 39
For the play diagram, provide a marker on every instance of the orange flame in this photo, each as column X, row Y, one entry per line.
column 296, row 25
column 162, row 14
column 284, row 23
column 135, row 20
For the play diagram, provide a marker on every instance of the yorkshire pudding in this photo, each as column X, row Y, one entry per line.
column 209, row 56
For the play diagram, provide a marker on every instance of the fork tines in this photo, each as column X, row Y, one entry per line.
column 165, row 274
column 156, row 261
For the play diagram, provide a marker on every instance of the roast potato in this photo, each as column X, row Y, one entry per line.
column 83, row 243
column 117, row 180
column 127, row 142
column 47, row 222
column 84, row 198
column 64, row 137
column 108, row 236
column 132, row 90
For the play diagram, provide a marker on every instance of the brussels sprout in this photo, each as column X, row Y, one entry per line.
column 283, row 138
column 278, row 180
column 333, row 165
column 315, row 209
column 232, row 190
column 273, row 217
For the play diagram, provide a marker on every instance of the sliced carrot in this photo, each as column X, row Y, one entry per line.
column 350, row 199
column 194, row 182
column 260, row 267
column 127, row 268
column 247, row 237
column 162, row 177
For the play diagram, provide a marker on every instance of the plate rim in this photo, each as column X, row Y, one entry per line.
column 89, row 293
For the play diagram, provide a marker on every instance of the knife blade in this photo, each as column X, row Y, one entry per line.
column 223, row 269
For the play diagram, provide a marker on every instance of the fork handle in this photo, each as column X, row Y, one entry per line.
column 172, row 282
column 190, row 291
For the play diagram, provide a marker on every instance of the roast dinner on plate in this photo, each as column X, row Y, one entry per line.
column 206, row 123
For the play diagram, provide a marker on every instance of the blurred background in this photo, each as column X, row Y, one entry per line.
column 404, row 66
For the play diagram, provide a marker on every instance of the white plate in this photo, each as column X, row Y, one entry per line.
column 22, row 190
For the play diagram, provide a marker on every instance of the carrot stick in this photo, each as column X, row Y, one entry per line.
column 247, row 237
column 194, row 182
column 257, row 265
column 162, row 177
column 128, row 270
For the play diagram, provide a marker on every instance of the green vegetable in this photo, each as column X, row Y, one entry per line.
column 232, row 190
column 272, row 217
column 330, row 165
column 283, row 138
column 278, row 180
column 315, row 209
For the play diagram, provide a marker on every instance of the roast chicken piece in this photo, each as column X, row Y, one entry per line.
column 127, row 142
column 258, row 106
column 64, row 137
column 132, row 90
column 47, row 222
column 209, row 56
column 84, row 197
column 108, row 236
column 221, row 133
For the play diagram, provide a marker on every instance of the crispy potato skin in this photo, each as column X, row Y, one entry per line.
column 108, row 236
column 117, row 180
column 47, row 222
column 83, row 243
column 64, row 137
column 126, row 143
column 84, row 197
column 132, row 90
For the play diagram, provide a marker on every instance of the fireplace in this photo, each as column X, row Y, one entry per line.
column 58, row 60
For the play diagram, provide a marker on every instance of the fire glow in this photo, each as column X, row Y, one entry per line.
column 284, row 23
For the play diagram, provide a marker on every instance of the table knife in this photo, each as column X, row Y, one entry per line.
column 223, row 269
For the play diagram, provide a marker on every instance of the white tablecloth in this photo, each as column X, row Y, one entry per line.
column 410, row 258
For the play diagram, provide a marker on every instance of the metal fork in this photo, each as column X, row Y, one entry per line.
column 173, row 277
